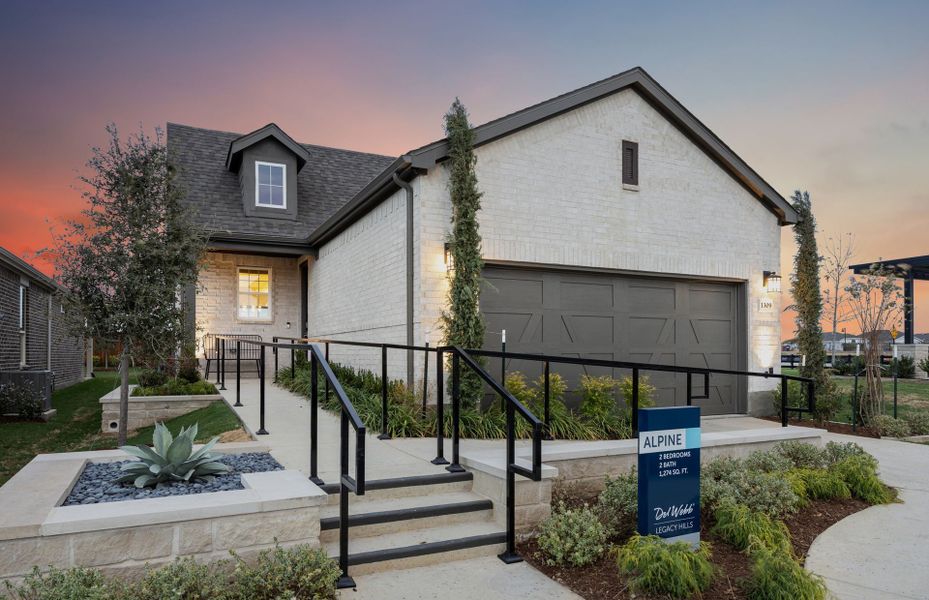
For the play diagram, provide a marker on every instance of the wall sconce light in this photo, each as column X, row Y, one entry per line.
column 772, row 281
column 449, row 259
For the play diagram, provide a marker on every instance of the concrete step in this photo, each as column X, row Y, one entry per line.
column 405, row 487
column 415, row 512
column 404, row 549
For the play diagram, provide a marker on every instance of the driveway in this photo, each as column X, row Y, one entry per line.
column 881, row 553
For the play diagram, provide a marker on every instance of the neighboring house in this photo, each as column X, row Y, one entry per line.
column 32, row 328
column 614, row 225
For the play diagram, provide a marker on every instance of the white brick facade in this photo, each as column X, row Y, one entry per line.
column 217, row 298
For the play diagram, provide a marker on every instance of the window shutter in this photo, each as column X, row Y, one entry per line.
column 630, row 163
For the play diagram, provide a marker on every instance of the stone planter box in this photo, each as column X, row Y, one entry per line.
column 147, row 410
column 123, row 537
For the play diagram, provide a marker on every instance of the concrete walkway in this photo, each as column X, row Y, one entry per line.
column 881, row 553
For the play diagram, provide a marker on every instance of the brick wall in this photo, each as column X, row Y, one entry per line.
column 357, row 287
column 67, row 354
column 217, row 299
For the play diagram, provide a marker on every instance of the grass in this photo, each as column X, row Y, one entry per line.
column 76, row 426
column 912, row 395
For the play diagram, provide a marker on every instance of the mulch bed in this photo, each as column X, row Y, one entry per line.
column 831, row 427
column 602, row 581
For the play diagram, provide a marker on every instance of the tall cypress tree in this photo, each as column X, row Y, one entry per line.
column 804, row 286
column 462, row 323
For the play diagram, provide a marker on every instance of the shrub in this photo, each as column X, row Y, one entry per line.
column 918, row 420
column 776, row 575
column 737, row 524
column 836, row 452
column 177, row 387
column 850, row 366
column 728, row 480
column 184, row 579
column 298, row 572
column 597, row 399
column 57, row 584
column 801, row 455
column 646, row 394
column 888, row 426
column 924, row 365
column 767, row 462
column 904, row 366
column 573, row 537
column 819, row 484
column 20, row 399
column 656, row 567
column 188, row 373
column 152, row 378
column 827, row 403
column 618, row 504
column 860, row 474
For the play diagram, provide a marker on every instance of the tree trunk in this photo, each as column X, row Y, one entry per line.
column 835, row 319
column 872, row 405
column 123, row 395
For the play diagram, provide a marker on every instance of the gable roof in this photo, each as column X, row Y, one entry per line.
column 426, row 157
column 329, row 179
column 271, row 130
column 21, row 267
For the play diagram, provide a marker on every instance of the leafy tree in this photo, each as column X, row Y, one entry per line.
column 462, row 323
column 808, row 302
column 123, row 263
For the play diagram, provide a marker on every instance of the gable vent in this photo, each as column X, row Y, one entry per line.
column 630, row 163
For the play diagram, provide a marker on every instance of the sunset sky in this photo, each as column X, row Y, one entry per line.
column 832, row 97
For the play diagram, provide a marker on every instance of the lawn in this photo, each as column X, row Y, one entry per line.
column 912, row 394
column 76, row 426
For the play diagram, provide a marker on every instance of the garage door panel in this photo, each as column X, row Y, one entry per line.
column 620, row 317
column 586, row 295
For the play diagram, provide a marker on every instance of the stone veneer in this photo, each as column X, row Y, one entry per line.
column 122, row 538
column 147, row 410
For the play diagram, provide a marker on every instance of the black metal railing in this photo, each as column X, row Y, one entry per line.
column 349, row 417
column 638, row 368
column 212, row 354
column 795, row 361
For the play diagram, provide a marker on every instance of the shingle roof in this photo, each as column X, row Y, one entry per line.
column 330, row 178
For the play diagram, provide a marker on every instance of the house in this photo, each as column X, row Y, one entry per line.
column 33, row 334
column 615, row 224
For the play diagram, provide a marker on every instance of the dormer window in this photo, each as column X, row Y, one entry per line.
column 270, row 184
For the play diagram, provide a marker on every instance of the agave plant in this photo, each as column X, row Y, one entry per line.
column 171, row 459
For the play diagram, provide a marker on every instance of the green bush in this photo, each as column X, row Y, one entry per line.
column 656, row 567
column 904, row 367
column 767, row 462
column 184, row 579
column 597, row 396
column 646, row 394
column 279, row 573
column 849, row 365
column 573, row 537
column 177, row 387
column 20, row 399
column 836, row 452
column 727, row 480
column 618, row 504
column 152, row 378
column 801, row 455
column 738, row 525
column 819, row 484
column 776, row 575
column 188, row 373
column 824, row 409
column 70, row 584
column 918, row 420
column 860, row 475
column 924, row 365
column 888, row 426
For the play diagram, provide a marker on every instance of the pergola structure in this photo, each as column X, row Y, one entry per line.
column 909, row 270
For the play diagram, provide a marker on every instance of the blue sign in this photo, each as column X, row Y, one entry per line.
column 669, row 473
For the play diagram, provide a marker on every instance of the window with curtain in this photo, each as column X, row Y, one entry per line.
column 254, row 294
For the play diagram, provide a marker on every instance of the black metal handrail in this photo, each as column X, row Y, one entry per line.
column 637, row 368
column 513, row 406
column 349, row 417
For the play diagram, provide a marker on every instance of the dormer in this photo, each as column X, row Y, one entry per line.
column 267, row 162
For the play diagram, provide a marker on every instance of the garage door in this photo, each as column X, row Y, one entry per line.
column 618, row 317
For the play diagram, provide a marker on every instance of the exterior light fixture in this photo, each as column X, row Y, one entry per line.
column 449, row 259
column 772, row 281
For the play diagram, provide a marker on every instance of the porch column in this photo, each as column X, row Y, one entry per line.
column 908, row 308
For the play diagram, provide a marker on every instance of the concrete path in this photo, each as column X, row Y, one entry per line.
column 881, row 553
column 485, row 578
